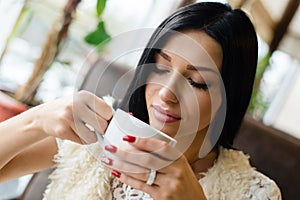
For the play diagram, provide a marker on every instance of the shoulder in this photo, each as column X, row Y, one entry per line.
column 232, row 177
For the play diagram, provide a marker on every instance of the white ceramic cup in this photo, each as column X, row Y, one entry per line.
column 123, row 124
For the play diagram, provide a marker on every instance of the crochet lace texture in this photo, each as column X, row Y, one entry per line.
column 122, row 191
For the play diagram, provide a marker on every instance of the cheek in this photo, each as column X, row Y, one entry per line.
column 205, row 110
column 208, row 108
column 150, row 92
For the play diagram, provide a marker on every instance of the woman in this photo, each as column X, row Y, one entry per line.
column 196, row 56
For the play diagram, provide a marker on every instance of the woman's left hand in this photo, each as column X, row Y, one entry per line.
column 174, row 179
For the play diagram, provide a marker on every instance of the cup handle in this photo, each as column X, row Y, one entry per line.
column 100, row 138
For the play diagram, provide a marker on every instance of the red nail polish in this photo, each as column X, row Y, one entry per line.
column 129, row 138
column 107, row 160
column 110, row 148
column 116, row 173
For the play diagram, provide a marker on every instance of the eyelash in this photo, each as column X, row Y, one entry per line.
column 193, row 83
column 198, row 85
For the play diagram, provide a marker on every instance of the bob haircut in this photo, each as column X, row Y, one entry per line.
column 233, row 30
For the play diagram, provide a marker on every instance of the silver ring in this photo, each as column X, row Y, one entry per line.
column 151, row 178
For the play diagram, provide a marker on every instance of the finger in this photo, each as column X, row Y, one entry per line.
column 94, row 120
column 81, row 112
column 102, row 108
column 140, row 158
column 85, row 133
column 75, row 138
column 160, row 148
column 68, row 133
column 177, row 168
column 163, row 176
column 95, row 104
column 121, row 165
column 160, row 178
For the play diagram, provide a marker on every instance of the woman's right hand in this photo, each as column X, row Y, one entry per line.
column 66, row 118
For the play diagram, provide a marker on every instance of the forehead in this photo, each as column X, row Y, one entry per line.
column 196, row 47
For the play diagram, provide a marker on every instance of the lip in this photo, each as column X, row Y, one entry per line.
column 164, row 115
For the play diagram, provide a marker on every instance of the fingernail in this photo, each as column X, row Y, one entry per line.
column 107, row 160
column 129, row 138
column 116, row 173
column 110, row 148
column 130, row 113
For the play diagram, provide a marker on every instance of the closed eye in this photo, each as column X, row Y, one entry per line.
column 203, row 86
column 160, row 70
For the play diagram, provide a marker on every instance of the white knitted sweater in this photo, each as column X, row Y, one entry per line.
column 79, row 174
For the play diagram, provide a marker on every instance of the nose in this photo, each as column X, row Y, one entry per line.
column 167, row 95
column 168, row 91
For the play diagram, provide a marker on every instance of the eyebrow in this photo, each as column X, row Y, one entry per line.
column 165, row 55
column 201, row 68
column 189, row 67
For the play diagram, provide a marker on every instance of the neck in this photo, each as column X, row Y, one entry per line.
column 201, row 165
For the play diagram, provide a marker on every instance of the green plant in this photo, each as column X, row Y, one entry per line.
column 99, row 35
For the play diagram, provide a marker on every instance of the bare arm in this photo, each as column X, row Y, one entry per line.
column 32, row 159
column 24, row 148
column 17, row 134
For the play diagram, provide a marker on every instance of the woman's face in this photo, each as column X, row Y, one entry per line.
column 183, row 92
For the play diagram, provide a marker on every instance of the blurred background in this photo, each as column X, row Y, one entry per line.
column 52, row 48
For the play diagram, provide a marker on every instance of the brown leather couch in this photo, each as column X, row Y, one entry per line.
column 273, row 152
